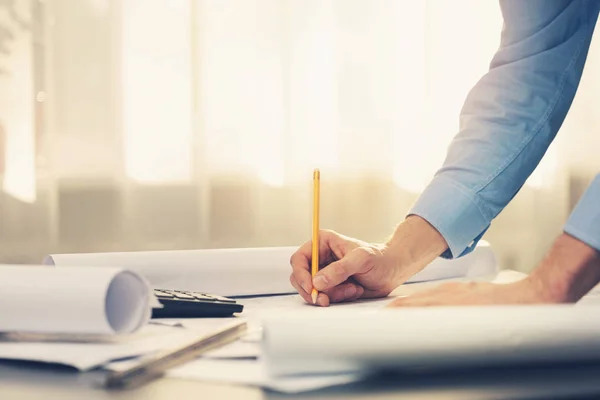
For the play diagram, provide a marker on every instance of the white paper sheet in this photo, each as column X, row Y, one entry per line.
column 436, row 337
column 258, row 308
column 231, row 364
column 85, row 355
column 72, row 300
column 591, row 298
column 250, row 271
column 255, row 310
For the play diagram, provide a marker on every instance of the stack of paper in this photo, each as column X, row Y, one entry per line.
column 97, row 296
column 243, row 363
column 296, row 347
column 89, row 352
column 257, row 272
column 80, row 317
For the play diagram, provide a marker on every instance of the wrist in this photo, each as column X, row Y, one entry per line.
column 569, row 270
column 413, row 245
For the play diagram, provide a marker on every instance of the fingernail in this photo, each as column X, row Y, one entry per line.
column 305, row 287
column 350, row 291
column 320, row 282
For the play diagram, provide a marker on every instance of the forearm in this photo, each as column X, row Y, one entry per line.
column 570, row 270
column 412, row 246
column 572, row 266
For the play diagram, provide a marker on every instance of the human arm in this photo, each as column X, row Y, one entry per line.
column 570, row 269
column 572, row 266
column 509, row 118
column 507, row 122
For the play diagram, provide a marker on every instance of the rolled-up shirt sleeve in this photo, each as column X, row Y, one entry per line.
column 584, row 221
column 509, row 118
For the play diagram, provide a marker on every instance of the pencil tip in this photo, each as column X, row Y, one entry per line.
column 314, row 295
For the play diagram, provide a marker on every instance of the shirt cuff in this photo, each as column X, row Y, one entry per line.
column 455, row 212
column 584, row 221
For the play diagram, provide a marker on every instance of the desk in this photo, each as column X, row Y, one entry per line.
column 22, row 381
column 28, row 381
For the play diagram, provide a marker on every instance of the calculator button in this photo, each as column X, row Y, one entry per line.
column 184, row 296
column 163, row 295
column 204, row 297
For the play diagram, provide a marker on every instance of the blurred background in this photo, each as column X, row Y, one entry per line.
column 179, row 124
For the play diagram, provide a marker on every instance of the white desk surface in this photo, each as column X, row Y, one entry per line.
column 27, row 381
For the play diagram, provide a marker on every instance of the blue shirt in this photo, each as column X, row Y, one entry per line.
column 508, row 121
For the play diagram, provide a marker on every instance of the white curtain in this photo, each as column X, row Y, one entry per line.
column 17, row 100
column 205, row 119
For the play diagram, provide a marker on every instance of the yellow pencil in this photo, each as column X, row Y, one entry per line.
column 315, row 231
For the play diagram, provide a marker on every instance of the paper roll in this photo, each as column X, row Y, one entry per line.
column 431, row 337
column 72, row 300
column 248, row 271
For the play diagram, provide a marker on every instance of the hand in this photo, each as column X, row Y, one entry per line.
column 349, row 269
column 473, row 293
column 569, row 270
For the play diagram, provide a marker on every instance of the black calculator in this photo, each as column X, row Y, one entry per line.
column 187, row 304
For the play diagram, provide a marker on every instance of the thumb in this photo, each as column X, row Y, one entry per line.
column 339, row 271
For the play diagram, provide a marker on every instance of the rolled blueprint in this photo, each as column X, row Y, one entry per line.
column 429, row 337
column 248, row 271
column 70, row 300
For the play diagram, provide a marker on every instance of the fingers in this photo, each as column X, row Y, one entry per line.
column 334, row 274
column 331, row 246
column 323, row 300
column 374, row 294
column 301, row 262
column 345, row 292
column 358, row 260
column 305, row 295
column 303, row 278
